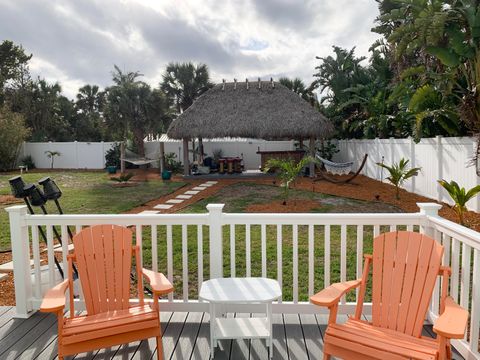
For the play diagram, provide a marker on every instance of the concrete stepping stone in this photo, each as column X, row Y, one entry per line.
column 163, row 206
column 191, row 192
column 150, row 212
column 184, row 196
column 211, row 182
column 3, row 277
column 174, row 201
column 199, row 188
column 206, row 185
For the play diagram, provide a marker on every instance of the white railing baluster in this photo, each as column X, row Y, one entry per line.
column 446, row 245
column 50, row 257
column 185, row 262
column 376, row 230
column 359, row 254
column 248, row 264
column 393, row 228
column 64, row 236
column 327, row 256
column 233, row 260
column 169, row 258
column 311, row 257
column 200, row 255
column 139, row 242
column 78, row 228
column 475, row 309
column 279, row 257
column 36, row 262
column 409, row 227
column 454, row 279
column 263, row 240
column 465, row 275
column 435, row 303
column 343, row 257
column 295, row 262
column 154, row 248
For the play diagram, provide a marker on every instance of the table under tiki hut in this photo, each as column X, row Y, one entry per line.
column 295, row 155
column 259, row 110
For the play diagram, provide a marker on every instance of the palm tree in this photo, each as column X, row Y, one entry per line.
column 183, row 83
column 51, row 155
column 299, row 87
column 460, row 196
column 399, row 173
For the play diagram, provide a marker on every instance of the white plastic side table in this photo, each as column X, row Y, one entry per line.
column 224, row 291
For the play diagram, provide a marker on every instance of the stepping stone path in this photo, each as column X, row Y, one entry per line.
column 180, row 198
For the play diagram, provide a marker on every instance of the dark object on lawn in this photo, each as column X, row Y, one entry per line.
column 166, row 175
column 112, row 169
column 324, row 176
column 22, row 191
column 123, row 178
column 377, row 197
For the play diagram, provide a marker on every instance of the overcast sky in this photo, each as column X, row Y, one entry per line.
column 77, row 42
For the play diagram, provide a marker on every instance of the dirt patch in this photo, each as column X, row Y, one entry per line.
column 279, row 207
column 9, row 199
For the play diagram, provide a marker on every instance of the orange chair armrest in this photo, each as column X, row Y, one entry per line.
column 54, row 300
column 453, row 321
column 158, row 282
column 332, row 294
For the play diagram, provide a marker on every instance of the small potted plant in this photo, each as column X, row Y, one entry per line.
column 171, row 166
column 112, row 159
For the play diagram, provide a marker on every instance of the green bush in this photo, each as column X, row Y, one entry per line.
column 112, row 156
column 13, row 133
column 28, row 162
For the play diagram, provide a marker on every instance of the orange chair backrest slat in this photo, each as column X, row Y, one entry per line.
column 103, row 255
column 405, row 269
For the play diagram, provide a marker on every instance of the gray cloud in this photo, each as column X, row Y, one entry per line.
column 78, row 42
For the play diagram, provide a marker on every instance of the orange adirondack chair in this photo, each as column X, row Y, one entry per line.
column 405, row 269
column 103, row 255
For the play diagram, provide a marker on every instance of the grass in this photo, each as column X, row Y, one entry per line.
column 87, row 192
column 236, row 199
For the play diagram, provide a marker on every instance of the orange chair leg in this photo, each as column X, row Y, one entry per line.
column 159, row 348
column 327, row 356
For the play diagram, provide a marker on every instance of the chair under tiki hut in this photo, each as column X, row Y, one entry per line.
column 262, row 110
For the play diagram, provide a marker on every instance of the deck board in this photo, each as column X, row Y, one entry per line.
column 186, row 336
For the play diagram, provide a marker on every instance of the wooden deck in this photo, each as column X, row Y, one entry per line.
column 185, row 336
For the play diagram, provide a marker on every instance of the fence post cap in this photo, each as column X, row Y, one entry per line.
column 215, row 207
column 429, row 208
column 19, row 209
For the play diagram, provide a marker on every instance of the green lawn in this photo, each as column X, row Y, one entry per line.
column 87, row 192
column 236, row 199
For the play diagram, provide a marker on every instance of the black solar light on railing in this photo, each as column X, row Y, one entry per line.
column 36, row 196
column 18, row 187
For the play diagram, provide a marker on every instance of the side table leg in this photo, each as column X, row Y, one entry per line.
column 269, row 322
column 212, row 330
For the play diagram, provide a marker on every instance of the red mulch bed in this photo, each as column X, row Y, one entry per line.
column 292, row 206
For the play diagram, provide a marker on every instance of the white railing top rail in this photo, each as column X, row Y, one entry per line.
column 454, row 230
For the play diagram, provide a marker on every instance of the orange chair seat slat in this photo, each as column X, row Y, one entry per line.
column 390, row 342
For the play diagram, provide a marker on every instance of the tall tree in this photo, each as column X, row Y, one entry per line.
column 89, row 122
column 133, row 108
column 299, row 87
column 183, row 83
column 13, row 62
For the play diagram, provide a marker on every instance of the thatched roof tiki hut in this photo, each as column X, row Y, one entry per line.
column 262, row 110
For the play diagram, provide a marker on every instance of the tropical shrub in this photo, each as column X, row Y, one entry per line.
column 172, row 164
column 112, row 156
column 28, row 162
column 399, row 173
column 287, row 171
column 123, row 178
column 460, row 196
column 13, row 133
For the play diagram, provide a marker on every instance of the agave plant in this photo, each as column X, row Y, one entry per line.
column 288, row 170
column 460, row 196
column 399, row 172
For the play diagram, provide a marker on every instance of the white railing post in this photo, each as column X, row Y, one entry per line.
column 215, row 212
column 21, row 260
column 428, row 209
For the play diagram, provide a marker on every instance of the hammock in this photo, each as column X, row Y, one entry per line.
column 136, row 159
column 336, row 168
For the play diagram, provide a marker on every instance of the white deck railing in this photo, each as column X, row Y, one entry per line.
column 298, row 249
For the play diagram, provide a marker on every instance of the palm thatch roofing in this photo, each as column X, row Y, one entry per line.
column 259, row 109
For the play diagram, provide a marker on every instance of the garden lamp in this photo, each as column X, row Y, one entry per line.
column 52, row 192
column 32, row 196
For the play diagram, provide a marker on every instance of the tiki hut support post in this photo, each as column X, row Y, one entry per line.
column 162, row 156
column 312, row 154
column 186, row 163
column 200, row 151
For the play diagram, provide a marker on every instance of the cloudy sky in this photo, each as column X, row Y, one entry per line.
column 77, row 42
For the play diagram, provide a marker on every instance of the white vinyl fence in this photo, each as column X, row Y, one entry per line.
column 296, row 249
column 74, row 155
column 439, row 158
